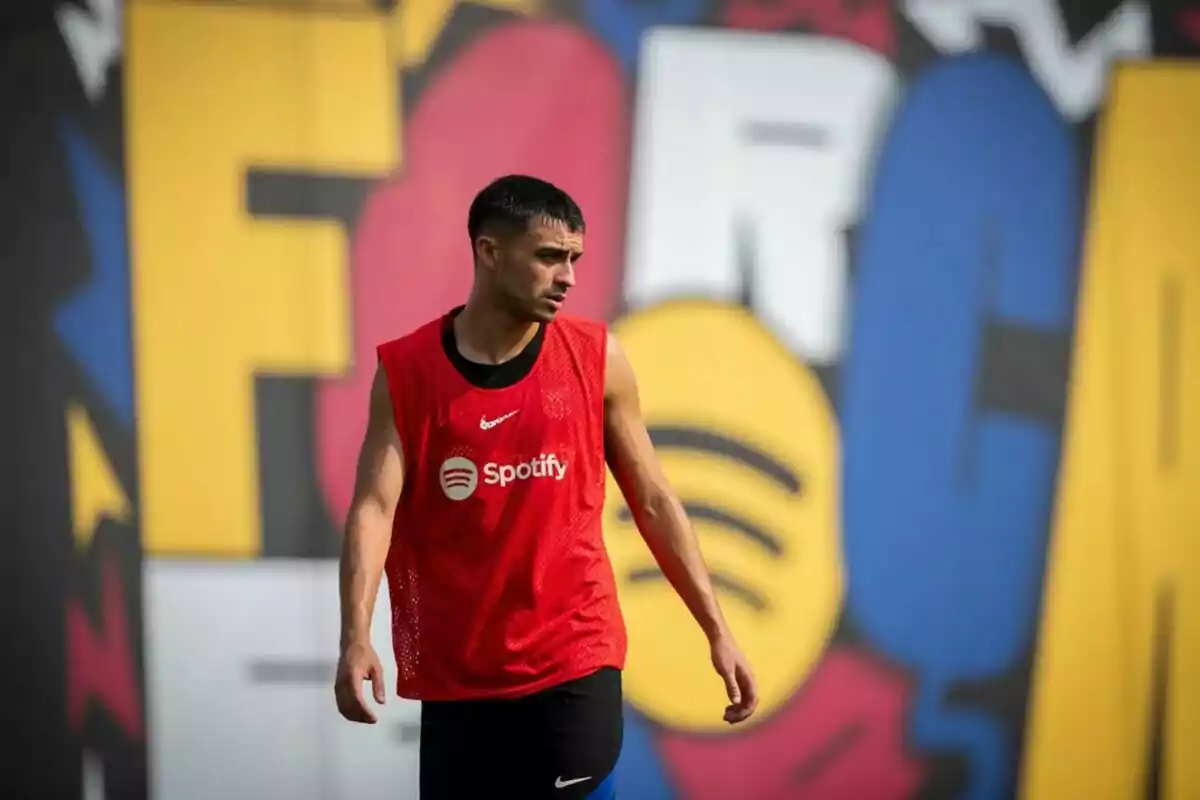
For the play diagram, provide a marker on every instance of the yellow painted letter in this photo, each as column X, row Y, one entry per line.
column 213, row 92
column 1115, row 707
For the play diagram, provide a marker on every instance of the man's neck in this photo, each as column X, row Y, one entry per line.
column 488, row 335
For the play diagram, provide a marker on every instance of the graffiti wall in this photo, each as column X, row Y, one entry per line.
column 910, row 287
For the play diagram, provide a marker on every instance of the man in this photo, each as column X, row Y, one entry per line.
column 480, row 486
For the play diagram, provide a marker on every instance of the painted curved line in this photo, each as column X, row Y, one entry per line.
column 726, row 521
column 682, row 437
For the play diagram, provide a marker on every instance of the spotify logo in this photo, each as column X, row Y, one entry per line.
column 458, row 477
column 696, row 442
column 748, row 439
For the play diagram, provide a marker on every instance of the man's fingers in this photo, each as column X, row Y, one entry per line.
column 746, row 701
column 731, row 686
column 749, row 690
column 359, row 710
column 363, row 711
column 376, row 673
column 350, row 699
column 735, row 713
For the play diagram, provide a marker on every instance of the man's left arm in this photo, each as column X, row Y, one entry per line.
column 664, row 525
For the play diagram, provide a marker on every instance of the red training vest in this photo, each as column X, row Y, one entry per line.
column 499, row 581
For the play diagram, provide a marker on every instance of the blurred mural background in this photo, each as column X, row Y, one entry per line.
column 930, row 268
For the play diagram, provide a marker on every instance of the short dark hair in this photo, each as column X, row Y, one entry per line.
column 512, row 201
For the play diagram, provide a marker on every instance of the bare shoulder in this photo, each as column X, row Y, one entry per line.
column 619, row 380
column 381, row 420
column 381, row 392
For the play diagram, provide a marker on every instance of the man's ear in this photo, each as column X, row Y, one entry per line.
column 487, row 251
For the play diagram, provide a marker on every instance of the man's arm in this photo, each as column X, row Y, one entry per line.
column 378, row 481
column 660, row 518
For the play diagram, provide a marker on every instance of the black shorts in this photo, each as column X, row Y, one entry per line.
column 560, row 743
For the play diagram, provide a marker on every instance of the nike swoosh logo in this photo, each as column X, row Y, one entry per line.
column 486, row 424
column 559, row 783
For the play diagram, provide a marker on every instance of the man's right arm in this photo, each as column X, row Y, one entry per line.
column 379, row 479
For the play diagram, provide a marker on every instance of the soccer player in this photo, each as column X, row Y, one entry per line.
column 479, row 489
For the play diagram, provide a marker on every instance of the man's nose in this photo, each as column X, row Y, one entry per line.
column 566, row 276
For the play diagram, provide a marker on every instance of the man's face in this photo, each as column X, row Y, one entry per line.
column 535, row 270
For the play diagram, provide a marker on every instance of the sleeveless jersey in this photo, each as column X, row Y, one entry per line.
column 499, row 581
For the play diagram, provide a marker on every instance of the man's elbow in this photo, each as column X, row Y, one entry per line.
column 370, row 514
column 658, row 508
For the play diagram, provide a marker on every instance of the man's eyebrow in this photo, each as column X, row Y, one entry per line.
column 551, row 249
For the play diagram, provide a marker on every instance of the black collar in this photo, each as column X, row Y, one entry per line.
column 491, row 376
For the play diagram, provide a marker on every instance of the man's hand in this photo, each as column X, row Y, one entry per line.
column 731, row 665
column 357, row 664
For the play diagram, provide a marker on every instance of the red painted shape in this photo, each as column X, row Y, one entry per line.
column 1189, row 24
column 100, row 664
column 530, row 97
column 868, row 22
column 840, row 738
